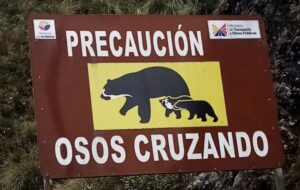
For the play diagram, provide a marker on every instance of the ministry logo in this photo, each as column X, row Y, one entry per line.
column 44, row 29
column 233, row 29
column 44, row 25
column 222, row 31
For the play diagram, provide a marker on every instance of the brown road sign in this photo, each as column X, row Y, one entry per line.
column 122, row 95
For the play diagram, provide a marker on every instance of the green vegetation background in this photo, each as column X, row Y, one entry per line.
column 19, row 167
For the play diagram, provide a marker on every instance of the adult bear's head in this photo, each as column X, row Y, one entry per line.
column 112, row 90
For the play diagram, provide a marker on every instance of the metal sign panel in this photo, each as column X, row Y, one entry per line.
column 122, row 95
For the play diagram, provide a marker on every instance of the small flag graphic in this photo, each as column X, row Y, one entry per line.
column 219, row 31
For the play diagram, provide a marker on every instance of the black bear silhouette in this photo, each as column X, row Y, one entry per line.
column 140, row 86
column 169, row 102
column 197, row 107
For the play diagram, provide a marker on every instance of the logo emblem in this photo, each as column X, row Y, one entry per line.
column 44, row 25
column 233, row 29
column 219, row 31
column 44, row 29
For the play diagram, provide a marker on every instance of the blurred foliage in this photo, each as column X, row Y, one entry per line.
column 18, row 153
column 108, row 183
column 22, row 172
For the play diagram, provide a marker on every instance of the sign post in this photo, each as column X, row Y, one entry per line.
column 125, row 95
column 279, row 179
column 47, row 184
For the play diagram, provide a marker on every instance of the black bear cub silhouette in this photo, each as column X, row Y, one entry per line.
column 139, row 87
column 169, row 102
column 195, row 107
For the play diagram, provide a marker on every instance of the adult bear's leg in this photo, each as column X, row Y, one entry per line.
column 192, row 115
column 130, row 103
column 144, row 110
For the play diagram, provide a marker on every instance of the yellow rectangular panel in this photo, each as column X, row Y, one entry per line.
column 192, row 90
